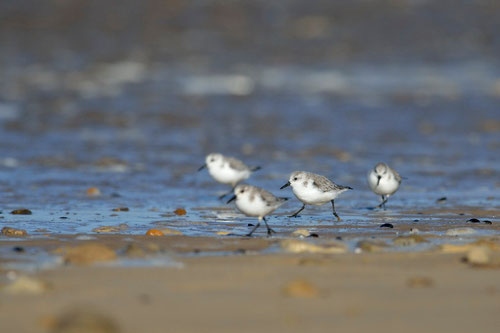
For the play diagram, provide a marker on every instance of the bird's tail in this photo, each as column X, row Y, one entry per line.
column 255, row 168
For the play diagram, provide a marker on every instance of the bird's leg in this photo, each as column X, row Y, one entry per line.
column 297, row 212
column 254, row 228
column 384, row 200
column 334, row 212
column 269, row 230
column 227, row 193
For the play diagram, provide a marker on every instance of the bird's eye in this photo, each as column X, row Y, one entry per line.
column 295, row 178
column 212, row 160
column 242, row 191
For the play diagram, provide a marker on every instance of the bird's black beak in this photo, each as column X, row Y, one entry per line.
column 378, row 179
column 286, row 185
column 232, row 198
column 202, row 167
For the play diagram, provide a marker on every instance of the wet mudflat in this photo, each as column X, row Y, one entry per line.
column 105, row 117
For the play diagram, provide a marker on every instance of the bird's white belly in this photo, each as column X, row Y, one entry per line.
column 256, row 207
column 386, row 186
column 226, row 175
column 312, row 196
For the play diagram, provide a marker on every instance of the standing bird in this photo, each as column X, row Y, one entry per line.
column 383, row 181
column 314, row 189
column 255, row 201
column 227, row 170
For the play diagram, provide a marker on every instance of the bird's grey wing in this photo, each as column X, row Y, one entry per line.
column 236, row 164
column 270, row 199
column 396, row 175
column 324, row 184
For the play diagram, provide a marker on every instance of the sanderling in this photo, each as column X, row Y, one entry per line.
column 227, row 170
column 255, row 201
column 384, row 181
column 314, row 189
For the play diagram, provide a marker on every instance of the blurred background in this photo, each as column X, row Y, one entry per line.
column 130, row 95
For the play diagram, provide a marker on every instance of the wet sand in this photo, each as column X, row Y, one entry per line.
column 227, row 284
column 390, row 292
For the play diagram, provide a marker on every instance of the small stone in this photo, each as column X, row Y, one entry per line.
column 420, row 282
column 154, row 232
column 117, row 228
column 8, row 231
column 479, row 255
column 88, row 253
column 93, row 192
column 371, row 246
column 168, row 231
column 250, row 225
column 18, row 249
column 121, row 209
column 22, row 211
column 409, row 240
column 27, row 285
column 180, row 211
column 314, row 235
column 460, row 231
column 387, row 225
column 134, row 251
column 298, row 246
column 473, row 220
column 301, row 289
column 84, row 320
column 301, row 233
column 487, row 222
column 441, row 200
column 223, row 233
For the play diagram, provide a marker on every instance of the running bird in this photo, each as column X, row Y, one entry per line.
column 383, row 181
column 255, row 201
column 227, row 170
column 313, row 189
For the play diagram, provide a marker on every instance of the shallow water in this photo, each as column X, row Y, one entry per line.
column 137, row 123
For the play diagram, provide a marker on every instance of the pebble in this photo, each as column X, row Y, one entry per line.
column 168, row 231
column 22, row 211
column 27, row 285
column 460, row 231
column 301, row 289
column 387, row 225
column 134, row 251
column 8, row 231
column 88, row 253
column 180, row 211
column 487, row 221
column 120, row 209
column 117, row 228
column 441, row 200
column 301, row 233
column 93, row 192
column 298, row 246
column 409, row 240
column 84, row 320
column 154, row 232
column 420, row 282
column 473, row 220
column 478, row 255
column 223, row 233
column 370, row 246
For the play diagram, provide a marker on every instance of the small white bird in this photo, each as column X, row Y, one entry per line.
column 383, row 181
column 314, row 189
column 227, row 170
column 255, row 201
